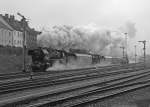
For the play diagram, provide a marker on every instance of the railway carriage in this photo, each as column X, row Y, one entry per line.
column 117, row 60
column 83, row 59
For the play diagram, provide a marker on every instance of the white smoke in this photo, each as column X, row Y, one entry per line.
column 92, row 38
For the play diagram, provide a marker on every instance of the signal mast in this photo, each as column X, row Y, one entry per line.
column 123, row 48
column 144, row 49
column 135, row 53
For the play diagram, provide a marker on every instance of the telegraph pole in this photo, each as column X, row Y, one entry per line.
column 111, row 55
column 144, row 49
column 126, row 44
column 135, row 53
column 24, row 34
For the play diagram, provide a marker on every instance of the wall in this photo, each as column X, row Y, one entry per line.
column 10, row 50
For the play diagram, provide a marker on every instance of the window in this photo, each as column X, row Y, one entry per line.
column 14, row 41
column 5, row 32
column 9, row 33
column 2, row 32
column 18, row 34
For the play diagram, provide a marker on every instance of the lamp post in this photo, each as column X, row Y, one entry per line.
column 24, row 34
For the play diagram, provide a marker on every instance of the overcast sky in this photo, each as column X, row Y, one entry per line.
column 108, row 13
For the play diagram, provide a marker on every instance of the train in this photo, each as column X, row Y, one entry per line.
column 43, row 58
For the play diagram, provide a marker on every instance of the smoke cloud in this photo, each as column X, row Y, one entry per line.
column 92, row 38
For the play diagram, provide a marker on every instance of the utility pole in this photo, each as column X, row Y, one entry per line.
column 135, row 53
column 24, row 34
column 111, row 55
column 144, row 49
column 126, row 44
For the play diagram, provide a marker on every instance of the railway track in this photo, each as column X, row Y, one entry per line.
column 86, row 95
column 62, row 78
column 26, row 74
column 126, row 74
column 100, row 94
column 62, row 73
column 36, row 74
column 65, row 73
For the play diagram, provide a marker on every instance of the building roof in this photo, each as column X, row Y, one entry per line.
column 12, row 22
column 18, row 26
column 4, row 26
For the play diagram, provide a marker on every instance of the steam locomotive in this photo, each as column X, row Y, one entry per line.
column 43, row 58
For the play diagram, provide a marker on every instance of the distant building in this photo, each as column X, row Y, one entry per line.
column 16, row 32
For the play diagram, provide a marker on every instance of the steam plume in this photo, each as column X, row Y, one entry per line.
column 92, row 38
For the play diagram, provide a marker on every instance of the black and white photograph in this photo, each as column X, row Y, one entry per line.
column 74, row 53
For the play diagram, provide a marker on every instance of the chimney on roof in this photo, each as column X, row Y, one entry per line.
column 12, row 18
column 6, row 16
column 32, row 29
column 24, row 22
